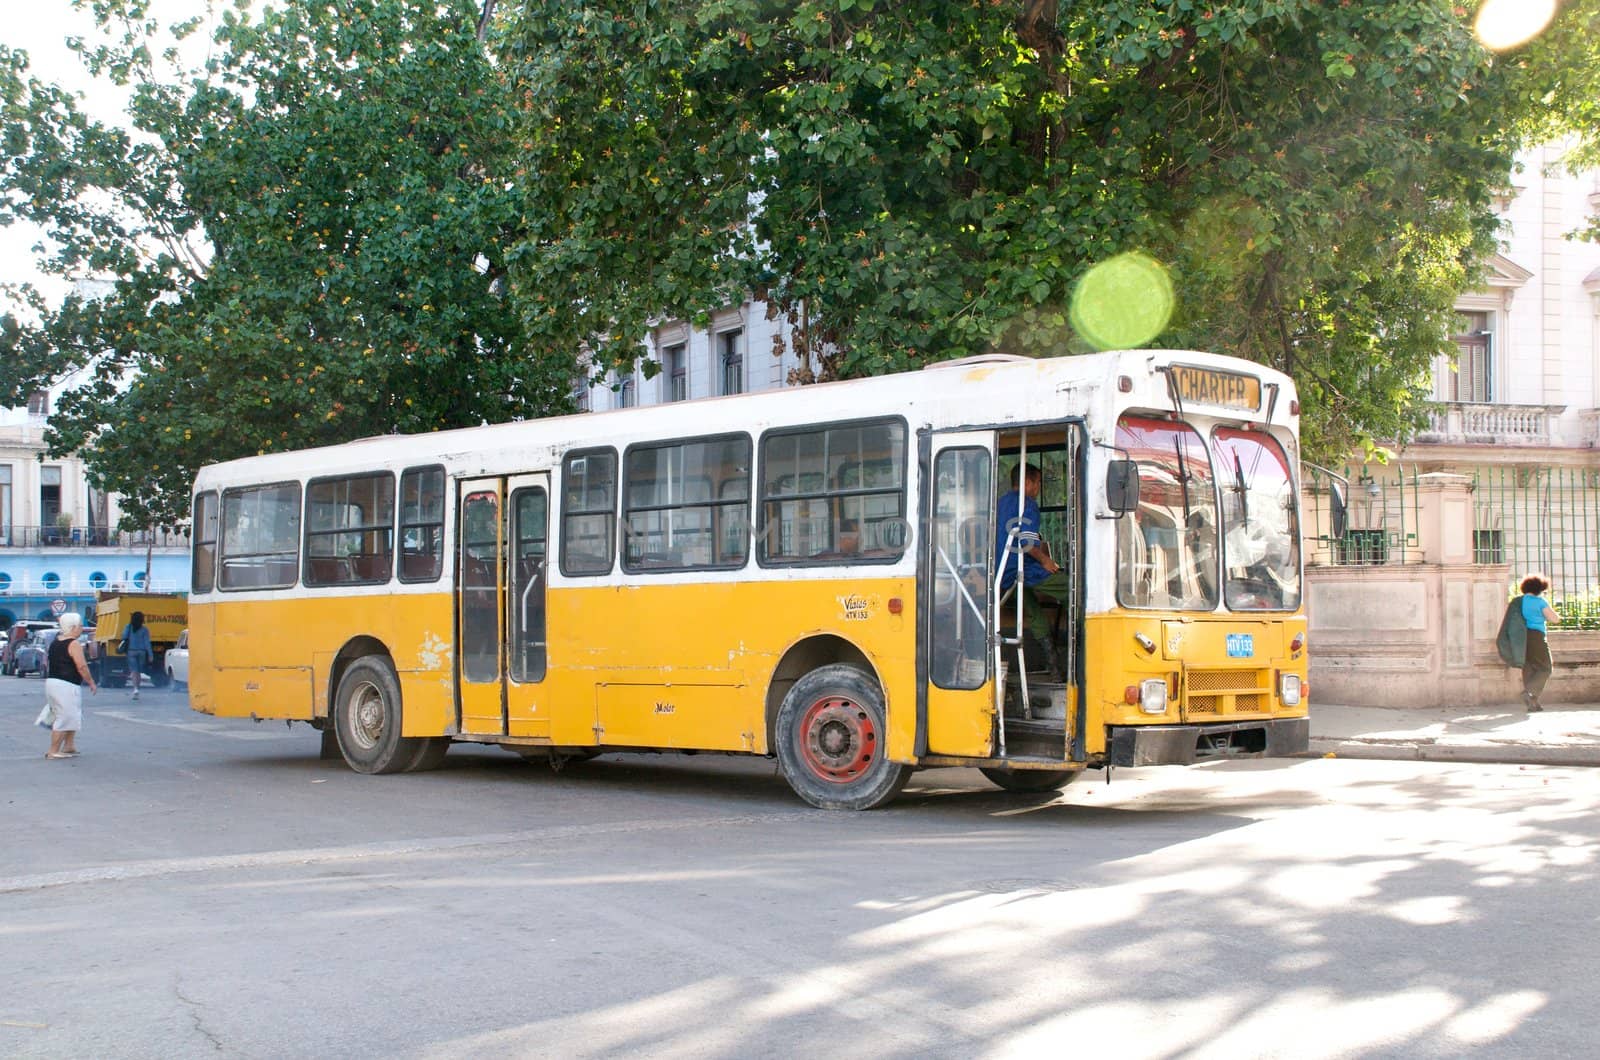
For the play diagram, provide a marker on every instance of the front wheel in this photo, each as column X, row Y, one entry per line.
column 1031, row 780
column 367, row 719
column 832, row 741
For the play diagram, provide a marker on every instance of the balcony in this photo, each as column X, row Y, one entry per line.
column 1463, row 423
column 88, row 537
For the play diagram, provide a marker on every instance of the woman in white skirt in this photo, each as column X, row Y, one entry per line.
column 66, row 672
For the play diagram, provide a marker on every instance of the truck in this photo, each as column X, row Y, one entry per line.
column 166, row 615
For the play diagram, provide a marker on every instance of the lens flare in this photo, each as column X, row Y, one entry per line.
column 1122, row 302
column 1504, row 24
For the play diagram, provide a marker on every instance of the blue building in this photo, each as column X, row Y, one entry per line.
column 58, row 542
column 33, row 581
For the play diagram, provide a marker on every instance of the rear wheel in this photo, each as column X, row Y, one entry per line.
column 832, row 741
column 367, row 715
column 1031, row 780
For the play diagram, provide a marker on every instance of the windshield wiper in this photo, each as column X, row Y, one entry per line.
column 1244, row 494
column 1183, row 474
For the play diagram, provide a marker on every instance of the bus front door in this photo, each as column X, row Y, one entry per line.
column 503, row 531
column 956, row 561
column 986, row 698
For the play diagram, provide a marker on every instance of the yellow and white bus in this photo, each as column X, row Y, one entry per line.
column 809, row 574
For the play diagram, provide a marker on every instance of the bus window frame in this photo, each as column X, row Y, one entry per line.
column 1166, row 419
column 516, row 635
column 401, row 526
column 616, row 498
column 1290, row 467
column 306, row 533
column 222, row 553
column 760, row 499
column 713, row 503
column 214, row 541
column 939, row 630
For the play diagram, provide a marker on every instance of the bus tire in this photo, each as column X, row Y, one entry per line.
column 1031, row 780
column 367, row 719
column 832, row 741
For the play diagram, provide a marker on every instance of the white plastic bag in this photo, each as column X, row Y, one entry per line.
column 47, row 717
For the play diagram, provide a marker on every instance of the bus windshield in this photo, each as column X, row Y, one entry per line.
column 1167, row 549
column 1260, row 532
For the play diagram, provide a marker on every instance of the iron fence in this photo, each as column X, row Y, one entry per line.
column 1382, row 515
column 1543, row 519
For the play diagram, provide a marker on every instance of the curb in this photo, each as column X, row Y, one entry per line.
column 1481, row 754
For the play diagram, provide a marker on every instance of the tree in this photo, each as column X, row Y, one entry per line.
column 928, row 179
column 307, row 242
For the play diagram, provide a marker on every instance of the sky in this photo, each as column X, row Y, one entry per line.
column 40, row 28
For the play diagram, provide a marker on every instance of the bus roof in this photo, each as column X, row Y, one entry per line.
column 986, row 390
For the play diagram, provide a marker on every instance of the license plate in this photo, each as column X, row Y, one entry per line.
column 1241, row 646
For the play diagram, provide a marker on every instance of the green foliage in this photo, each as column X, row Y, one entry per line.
column 924, row 180
column 308, row 240
column 1578, row 612
column 360, row 217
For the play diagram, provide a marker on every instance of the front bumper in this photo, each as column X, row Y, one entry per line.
column 1182, row 745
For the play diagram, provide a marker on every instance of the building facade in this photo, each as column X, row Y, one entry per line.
column 59, row 544
column 1404, row 607
column 1519, row 409
column 740, row 351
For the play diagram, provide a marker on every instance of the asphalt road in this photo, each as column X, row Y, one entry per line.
column 202, row 887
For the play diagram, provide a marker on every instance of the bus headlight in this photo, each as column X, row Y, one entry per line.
column 1153, row 695
column 1289, row 689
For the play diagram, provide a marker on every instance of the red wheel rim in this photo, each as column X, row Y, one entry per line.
column 838, row 740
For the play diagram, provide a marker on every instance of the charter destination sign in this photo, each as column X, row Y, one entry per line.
column 1208, row 386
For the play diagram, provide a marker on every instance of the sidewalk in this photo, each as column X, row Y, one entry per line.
column 1563, row 734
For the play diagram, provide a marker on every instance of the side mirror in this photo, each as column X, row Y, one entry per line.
column 1122, row 486
column 1338, row 508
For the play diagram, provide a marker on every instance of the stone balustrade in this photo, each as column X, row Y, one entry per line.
column 1463, row 423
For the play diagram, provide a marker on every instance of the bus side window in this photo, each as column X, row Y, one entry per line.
column 260, row 536
column 588, row 511
column 203, row 575
column 833, row 494
column 349, row 529
column 686, row 506
column 421, row 524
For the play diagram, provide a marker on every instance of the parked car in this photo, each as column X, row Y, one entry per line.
column 32, row 656
column 18, row 635
column 178, row 661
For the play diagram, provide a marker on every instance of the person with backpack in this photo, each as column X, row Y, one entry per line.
column 1521, row 640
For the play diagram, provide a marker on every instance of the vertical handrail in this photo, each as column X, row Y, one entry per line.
column 1022, row 584
column 1014, row 539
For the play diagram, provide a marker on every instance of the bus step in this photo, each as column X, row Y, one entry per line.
column 1036, row 740
column 1048, row 700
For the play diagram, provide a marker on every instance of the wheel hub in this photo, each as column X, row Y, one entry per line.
column 367, row 717
column 837, row 739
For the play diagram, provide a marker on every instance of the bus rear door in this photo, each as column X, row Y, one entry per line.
column 503, row 535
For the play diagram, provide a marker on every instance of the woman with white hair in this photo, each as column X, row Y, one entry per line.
column 66, row 672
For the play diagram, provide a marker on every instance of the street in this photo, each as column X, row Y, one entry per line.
column 200, row 887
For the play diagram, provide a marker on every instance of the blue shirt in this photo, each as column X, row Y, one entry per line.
column 1027, row 520
column 1533, row 611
